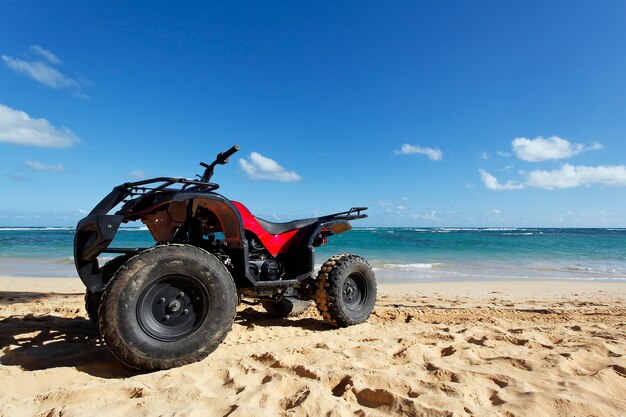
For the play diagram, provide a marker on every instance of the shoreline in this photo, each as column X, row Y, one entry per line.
column 387, row 273
column 453, row 287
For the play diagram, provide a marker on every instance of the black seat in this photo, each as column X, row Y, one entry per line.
column 278, row 228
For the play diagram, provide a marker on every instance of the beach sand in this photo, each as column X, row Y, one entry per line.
column 434, row 349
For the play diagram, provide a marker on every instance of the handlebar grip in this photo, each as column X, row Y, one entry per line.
column 230, row 152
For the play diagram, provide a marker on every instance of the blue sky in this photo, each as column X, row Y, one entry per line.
column 431, row 113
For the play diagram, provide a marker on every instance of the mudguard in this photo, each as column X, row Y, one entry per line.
column 95, row 232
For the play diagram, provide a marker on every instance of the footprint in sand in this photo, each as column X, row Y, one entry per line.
column 447, row 351
column 496, row 400
column 619, row 370
column 344, row 385
column 374, row 398
column 499, row 382
column 479, row 342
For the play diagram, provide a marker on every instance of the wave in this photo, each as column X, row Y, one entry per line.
column 409, row 267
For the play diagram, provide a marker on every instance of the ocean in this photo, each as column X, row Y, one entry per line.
column 396, row 254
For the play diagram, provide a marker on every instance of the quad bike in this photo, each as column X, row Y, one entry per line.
column 175, row 302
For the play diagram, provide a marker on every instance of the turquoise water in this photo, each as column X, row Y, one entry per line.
column 397, row 254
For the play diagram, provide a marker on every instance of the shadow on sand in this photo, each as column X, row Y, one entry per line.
column 47, row 341
column 14, row 297
column 44, row 342
column 250, row 316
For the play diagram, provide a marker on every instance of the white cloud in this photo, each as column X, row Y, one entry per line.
column 47, row 55
column 18, row 128
column 495, row 211
column 541, row 149
column 403, row 198
column 40, row 71
column 384, row 203
column 492, row 183
column 484, row 156
column 43, row 71
column 433, row 154
column 260, row 167
column 503, row 154
column 40, row 167
column 136, row 174
column 568, row 176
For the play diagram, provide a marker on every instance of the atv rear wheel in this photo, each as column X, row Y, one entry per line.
column 169, row 306
column 288, row 306
column 92, row 299
column 346, row 291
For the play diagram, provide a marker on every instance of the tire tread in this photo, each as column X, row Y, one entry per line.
column 135, row 359
column 328, row 294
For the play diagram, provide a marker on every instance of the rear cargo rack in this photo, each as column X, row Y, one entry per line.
column 352, row 214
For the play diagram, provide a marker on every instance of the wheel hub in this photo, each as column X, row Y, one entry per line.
column 354, row 291
column 350, row 291
column 172, row 307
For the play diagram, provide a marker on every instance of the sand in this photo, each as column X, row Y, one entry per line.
column 454, row 349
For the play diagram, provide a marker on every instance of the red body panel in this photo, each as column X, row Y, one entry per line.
column 275, row 244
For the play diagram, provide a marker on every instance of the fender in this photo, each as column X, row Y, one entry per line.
column 301, row 258
column 233, row 229
column 95, row 232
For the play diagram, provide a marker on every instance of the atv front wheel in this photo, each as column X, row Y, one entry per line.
column 169, row 306
column 346, row 290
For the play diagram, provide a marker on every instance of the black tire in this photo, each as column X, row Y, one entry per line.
column 92, row 300
column 169, row 306
column 92, row 304
column 287, row 306
column 346, row 290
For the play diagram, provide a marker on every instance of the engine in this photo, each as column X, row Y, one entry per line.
column 262, row 264
column 268, row 270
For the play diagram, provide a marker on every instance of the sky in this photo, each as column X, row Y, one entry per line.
column 478, row 114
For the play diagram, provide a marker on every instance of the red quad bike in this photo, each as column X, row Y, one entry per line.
column 175, row 302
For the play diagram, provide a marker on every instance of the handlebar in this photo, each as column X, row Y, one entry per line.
column 220, row 159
